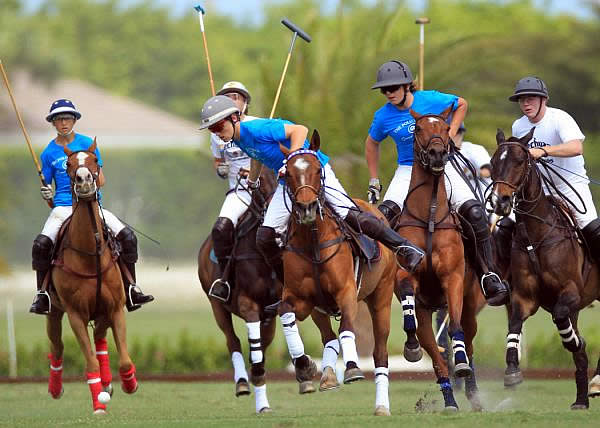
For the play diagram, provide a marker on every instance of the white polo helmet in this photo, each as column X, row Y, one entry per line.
column 234, row 86
column 215, row 109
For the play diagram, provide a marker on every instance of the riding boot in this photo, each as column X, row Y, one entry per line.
column 41, row 255
column 378, row 230
column 591, row 233
column 391, row 211
column 223, row 238
column 476, row 229
column 134, row 296
column 267, row 245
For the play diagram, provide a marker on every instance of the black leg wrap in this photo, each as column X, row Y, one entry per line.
column 267, row 245
column 391, row 211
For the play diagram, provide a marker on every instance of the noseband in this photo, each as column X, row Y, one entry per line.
column 436, row 139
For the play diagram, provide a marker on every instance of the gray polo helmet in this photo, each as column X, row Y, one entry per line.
column 215, row 109
column 529, row 85
column 393, row 73
column 238, row 87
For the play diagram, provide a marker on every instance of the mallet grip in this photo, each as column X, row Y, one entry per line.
column 296, row 29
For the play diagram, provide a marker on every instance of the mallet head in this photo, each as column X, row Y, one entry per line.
column 296, row 29
column 422, row 20
column 199, row 9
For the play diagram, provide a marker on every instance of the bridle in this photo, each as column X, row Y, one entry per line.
column 93, row 195
column 318, row 192
column 435, row 139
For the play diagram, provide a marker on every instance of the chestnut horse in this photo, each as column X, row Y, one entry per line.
column 320, row 269
column 549, row 266
column 428, row 221
column 87, row 285
column 254, row 288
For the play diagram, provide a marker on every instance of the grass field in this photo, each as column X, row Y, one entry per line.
column 533, row 404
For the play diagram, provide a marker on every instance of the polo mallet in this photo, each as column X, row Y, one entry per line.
column 27, row 139
column 422, row 21
column 297, row 32
column 201, row 12
column 441, row 349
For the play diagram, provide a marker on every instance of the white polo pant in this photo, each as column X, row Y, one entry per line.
column 58, row 215
column 236, row 203
column 583, row 188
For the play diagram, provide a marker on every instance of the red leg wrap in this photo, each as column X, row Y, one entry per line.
column 128, row 380
column 93, row 380
column 55, row 381
column 103, row 360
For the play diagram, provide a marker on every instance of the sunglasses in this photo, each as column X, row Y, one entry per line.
column 390, row 89
column 60, row 117
column 234, row 96
column 217, row 127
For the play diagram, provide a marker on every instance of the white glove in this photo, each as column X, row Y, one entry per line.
column 47, row 192
column 223, row 170
column 283, row 169
column 373, row 194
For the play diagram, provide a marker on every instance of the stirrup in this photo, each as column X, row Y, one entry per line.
column 483, row 277
column 220, row 290
column 45, row 294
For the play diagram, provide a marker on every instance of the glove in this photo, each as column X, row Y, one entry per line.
column 223, row 170
column 283, row 169
column 373, row 194
column 253, row 185
column 47, row 192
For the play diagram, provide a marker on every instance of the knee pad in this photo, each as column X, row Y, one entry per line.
column 389, row 209
column 41, row 253
column 223, row 227
column 128, row 242
column 474, row 214
column 266, row 241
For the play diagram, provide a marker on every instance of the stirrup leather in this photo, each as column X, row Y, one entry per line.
column 218, row 283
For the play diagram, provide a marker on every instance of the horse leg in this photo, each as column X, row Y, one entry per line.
column 469, row 323
column 580, row 359
column 594, row 386
column 454, row 286
column 427, row 339
column 225, row 323
column 92, row 367
column 348, row 307
column 126, row 367
column 331, row 350
column 404, row 291
column 54, row 331
column 304, row 365
column 380, row 314
column 267, row 333
column 521, row 309
column 102, row 355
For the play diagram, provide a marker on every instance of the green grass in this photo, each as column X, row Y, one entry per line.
column 534, row 404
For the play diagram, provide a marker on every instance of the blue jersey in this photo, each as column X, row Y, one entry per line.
column 260, row 139
column 54, row 167
column 390, row 121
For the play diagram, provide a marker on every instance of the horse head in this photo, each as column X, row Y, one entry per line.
column 83, row 169
column 304, row 181
column 432, row 140
column 511, row 165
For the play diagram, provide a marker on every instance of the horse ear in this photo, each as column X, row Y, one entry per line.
column 93, row 146
column 67, row 151
column 500, row 138
column 446, row 112
column 526, row 138
column 284, row 150
column 315, row 141
column 415, row 114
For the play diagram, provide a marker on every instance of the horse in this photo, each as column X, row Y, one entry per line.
column 255, row 287
column 87, row 285
column 320, row 272
column 428, row 221
column 550, row 268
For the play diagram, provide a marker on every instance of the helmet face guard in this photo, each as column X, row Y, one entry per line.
column 216, row 109
column 533, row 86
column 393, row 73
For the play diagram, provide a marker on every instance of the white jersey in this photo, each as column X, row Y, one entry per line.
column 479, row 157
column 556, row 127
column 232, row 154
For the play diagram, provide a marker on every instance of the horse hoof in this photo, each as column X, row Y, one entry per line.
column 306, row 387
column 413, row 355
column 382, row 411
column 99, row 412
column 513, row 379
column 57, row 396
column 242, row 388
column 450, row 409
column 328, row 380
column 130, row 391
column 307, row 373
column 352, row 375
column 577, row 406
column 462, row 370
column 476, row 405
column 265, row 409
column 594, row 387
column 109, row 389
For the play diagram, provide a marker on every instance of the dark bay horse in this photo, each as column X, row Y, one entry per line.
column 87, row 285
column 320, row 269
column 549, row 266
column 428, row 221
column 254, row 288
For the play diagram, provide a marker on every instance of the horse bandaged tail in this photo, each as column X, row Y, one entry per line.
column 513, row 341
column 569, row 338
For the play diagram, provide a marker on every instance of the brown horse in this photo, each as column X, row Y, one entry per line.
column 254, row 288
column 320, row 269
column 87, row 285
column 428, row 221
column 549, row 267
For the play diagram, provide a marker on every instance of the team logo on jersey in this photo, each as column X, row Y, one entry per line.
column 411, row 126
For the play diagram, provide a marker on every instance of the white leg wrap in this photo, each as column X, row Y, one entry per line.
column 256, row 355
column 292, row 337
column 348, row 347
column 568, row 334
column 330, row 354
column 513, row 340
column 382, row 383
column 260, row 394
column 239, row 367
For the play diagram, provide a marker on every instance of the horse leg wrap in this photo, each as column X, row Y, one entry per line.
column 292, row 336
column 513, row 342
column 458, row 347
column 347, row 340
column 567, row 334
column 256, row 354
column 128, row 380
column 408, row 310
column 382, row 383
column 95, row 384
column 239, row 367
column 260, row 398
column 55, row 380
column 103, row 360
column 446, row 388
column 330, row 354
